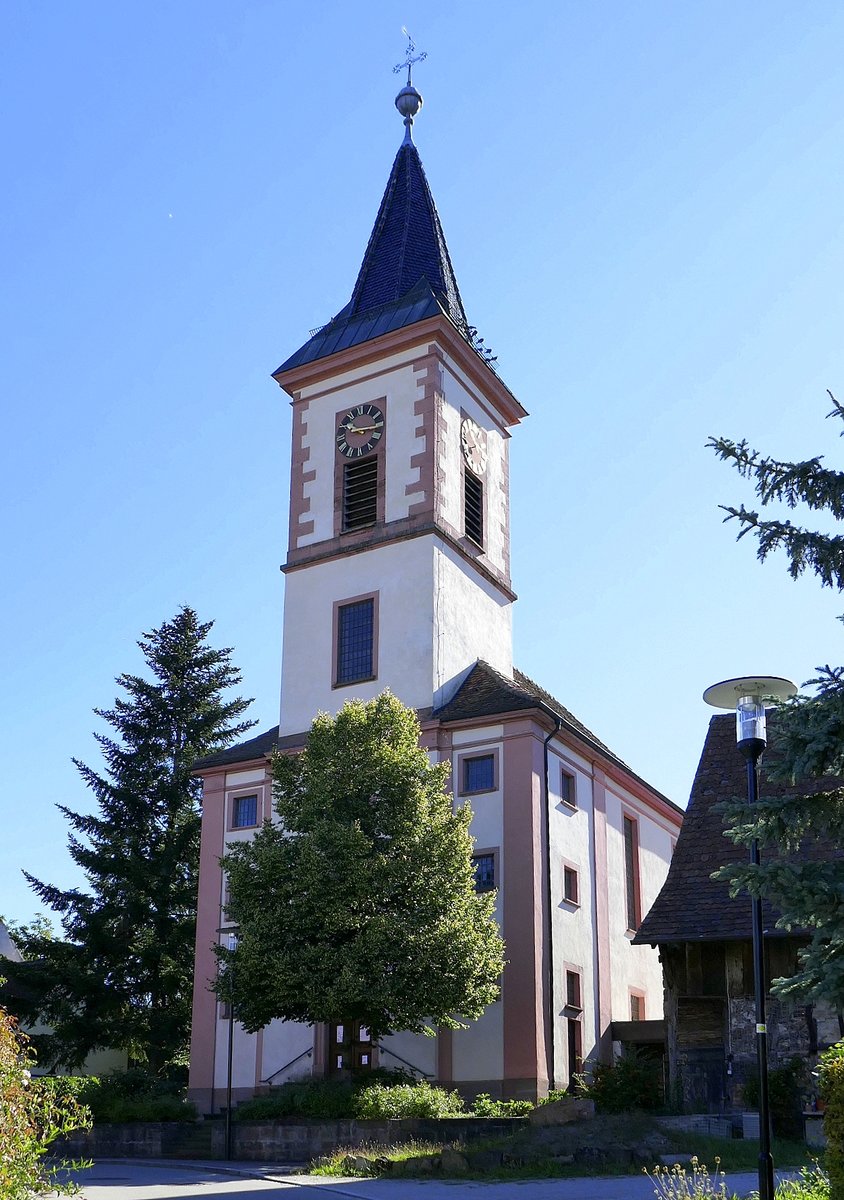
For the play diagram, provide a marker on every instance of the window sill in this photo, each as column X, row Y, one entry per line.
column 571, row 904
column 353, row 682
column 478, row 792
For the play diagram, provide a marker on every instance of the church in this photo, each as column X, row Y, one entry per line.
column 398, row 575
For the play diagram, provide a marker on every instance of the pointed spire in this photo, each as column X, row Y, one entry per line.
column 406, row 274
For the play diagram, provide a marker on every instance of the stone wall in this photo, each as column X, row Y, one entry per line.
column 273, row 1141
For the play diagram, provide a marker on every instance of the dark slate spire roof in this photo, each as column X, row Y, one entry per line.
column 406, row 274
column 407, row 244
column 692, row 907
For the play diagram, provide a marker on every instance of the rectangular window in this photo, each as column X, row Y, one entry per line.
column 637, row 1006
column 484, row 865
column 574, row 1038
column 473, row 503
column 631, row 873
column 355, row 641
column 573, row 995
column 479, row 773
column 244, row 812
column 568, row 789
column 571, row 891
column 360, row 493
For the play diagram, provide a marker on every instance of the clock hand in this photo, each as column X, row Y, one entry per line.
column 362, row 429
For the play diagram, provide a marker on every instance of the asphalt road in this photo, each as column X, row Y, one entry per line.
column 131, row 1179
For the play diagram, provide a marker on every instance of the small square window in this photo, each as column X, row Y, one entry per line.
column 571, row 890
column 245, row 812
column 568, row 789
column 573, row 998
column 479, row 773
column 484, row 865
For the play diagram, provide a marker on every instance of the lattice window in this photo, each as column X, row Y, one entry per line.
column 355, row 641
column 479, row 773
column 244, row 812
column 484, row 865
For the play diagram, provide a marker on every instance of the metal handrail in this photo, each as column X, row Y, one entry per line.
column 305, row 1054
column 418, row 1070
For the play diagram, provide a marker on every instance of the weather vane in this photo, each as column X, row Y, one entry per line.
column 410, row 56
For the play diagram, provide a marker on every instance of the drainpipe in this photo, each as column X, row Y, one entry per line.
column 548, row 897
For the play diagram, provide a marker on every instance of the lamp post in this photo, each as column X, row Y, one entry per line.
column 232, row 945
column 748, row 696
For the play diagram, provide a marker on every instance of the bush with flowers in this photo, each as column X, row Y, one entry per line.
column 31, row 1118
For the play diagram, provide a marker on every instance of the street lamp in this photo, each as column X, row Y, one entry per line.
column 748, row 697
column 232, row 945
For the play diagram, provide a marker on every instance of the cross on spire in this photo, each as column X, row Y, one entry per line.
column 410, row 57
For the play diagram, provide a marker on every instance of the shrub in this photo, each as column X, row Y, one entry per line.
column 784, row 1096
column 631, row 1082
column 326, row 1098
column 485, row 1106
column 831, row 1078
column 125, row 1096
column 32, row 1116
column 382, row 1102
column 811, row 1184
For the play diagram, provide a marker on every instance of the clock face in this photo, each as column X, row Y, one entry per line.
column 473, row 441
column 360, row 430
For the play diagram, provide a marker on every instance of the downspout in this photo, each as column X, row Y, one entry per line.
column 548, row 898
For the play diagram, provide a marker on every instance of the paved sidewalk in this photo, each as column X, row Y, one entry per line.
column 160, row 1179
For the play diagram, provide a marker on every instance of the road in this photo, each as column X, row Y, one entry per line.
column 131, row 1179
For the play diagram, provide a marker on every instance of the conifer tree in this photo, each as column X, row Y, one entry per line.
column 808, row 888
column 359, row 905
column 121, row 976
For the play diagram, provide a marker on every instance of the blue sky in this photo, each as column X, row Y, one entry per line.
column 643, row 203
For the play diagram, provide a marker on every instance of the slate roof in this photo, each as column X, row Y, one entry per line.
column 406, row 274
column 256, row 747
column 484, row 692
column 691, row 907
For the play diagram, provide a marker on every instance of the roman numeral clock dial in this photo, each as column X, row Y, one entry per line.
column 360, row 430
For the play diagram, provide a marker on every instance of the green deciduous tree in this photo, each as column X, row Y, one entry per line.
column 361, row 904
column 809, row 736
column 121, row 975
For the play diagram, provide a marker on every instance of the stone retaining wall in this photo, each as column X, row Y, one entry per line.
column 272, row 1141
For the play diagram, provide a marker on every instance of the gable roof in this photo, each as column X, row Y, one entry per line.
column 406, row 274
column 484, row 692
column 691, row 907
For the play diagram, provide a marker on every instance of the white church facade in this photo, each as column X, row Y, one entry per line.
column 398, row 575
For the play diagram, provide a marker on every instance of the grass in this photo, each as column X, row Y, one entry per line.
column 734, row 1154
column 740, row 1154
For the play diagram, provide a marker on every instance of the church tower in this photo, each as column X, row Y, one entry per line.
column 398, row 563
column 398, row 575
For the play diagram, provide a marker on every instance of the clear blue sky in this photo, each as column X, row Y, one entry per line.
column 643, row 203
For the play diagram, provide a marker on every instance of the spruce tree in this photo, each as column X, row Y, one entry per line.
column 359, row 904
column 121, row 976
column 799, row 826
